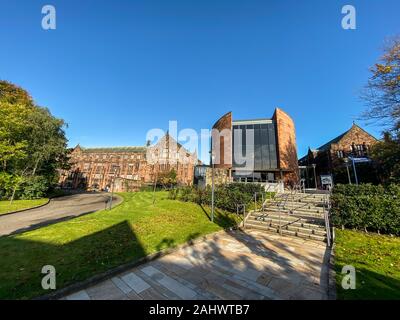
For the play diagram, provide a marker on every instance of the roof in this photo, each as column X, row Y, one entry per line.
column 114, row 149
column 327, row 145
column 338, row 138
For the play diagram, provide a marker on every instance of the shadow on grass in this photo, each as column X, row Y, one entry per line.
column 22, row 260
column 369, row 285
column 221, row 218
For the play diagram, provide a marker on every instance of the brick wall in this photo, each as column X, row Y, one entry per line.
column 132, row 169
column 222, row 141
column 286, row 141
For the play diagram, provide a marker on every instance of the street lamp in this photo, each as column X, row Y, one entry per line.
column 212, row 186
column 112, row 188
column 315, row 175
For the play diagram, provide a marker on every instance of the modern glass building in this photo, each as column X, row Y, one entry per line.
column 263, row 146
column 260, row 150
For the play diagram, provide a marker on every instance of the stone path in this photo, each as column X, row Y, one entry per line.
column 228, row 265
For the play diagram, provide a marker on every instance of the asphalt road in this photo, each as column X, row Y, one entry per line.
column 59, row 209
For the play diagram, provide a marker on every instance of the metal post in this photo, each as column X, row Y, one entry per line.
column 212, row 190
column 315, row 175
column 255, row 201
column 112, row 189
column 348, row 171
column 355, row 171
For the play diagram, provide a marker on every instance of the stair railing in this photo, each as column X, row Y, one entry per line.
column 327, row 210
column 243, row 206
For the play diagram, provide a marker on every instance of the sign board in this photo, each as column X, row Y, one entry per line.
column 326, row 180
column 359, row 160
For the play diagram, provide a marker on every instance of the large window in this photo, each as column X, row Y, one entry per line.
column 264, row 145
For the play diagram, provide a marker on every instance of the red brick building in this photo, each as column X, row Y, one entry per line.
column 128, row 168
column 269, row 146
column 332, row 159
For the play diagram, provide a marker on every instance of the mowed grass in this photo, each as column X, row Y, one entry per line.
column 85, row 246
column 376, row 259
column 6, row 207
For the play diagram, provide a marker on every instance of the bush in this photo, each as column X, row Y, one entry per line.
column 367, row 207
column 33, row 188
column 227, row 197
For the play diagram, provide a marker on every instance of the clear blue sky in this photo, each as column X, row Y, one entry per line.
column 115, row 69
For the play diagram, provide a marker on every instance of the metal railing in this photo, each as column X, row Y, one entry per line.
column 238, row 207
column 327, row 210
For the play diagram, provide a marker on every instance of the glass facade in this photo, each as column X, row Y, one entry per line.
column 263, row 145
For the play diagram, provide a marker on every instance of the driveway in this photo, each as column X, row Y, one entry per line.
column 227, row 265
column 58, row 209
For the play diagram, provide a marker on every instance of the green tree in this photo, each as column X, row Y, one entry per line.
column 168, row 178
column 386, row 154
column 382, row 95
column 32, row 144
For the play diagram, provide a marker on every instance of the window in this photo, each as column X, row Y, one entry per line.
column 339, row 154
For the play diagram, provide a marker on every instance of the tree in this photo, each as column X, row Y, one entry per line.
column 32, row 143
column 386, row 154
column 167, row 178
column 382, row 96
column 382, row 93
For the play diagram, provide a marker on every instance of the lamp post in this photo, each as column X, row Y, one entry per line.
column 212, row 186
column 315, row 175
column 112, row 188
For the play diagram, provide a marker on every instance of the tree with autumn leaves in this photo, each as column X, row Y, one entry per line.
column 382, row 95
column 32, row 145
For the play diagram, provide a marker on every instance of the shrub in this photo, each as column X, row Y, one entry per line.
column 33, row 188
column 227, row 196
column 367, row 207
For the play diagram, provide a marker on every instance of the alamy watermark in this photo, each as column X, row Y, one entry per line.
column 49, row 19
column 49, row 280
column 349, row 21
column 349, row 278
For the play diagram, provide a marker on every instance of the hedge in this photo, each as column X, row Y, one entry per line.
column 227, row 196
column 367, row 207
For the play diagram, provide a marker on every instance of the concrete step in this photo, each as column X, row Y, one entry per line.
column 297, row 205
column 294, row 222
column 286, row 225
column 297, row 212
column 290, row 218
column 286, row 232
column 297, row 198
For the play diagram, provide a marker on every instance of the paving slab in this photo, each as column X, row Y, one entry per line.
column 227, row 265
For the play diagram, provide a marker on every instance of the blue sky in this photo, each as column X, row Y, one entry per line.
column 115, row 69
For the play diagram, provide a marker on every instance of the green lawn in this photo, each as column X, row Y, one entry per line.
column 5, row 206
column 376, row 259
column 85, row 246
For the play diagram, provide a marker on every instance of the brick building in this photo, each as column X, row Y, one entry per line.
column 128, row 168
column 332, row 159
column 261, row 150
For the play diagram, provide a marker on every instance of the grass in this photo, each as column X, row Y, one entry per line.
column 376, row 259
column 17, row 205
column 91, row 244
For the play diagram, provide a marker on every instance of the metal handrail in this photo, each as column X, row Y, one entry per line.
column 327, row 209
column 242, row 205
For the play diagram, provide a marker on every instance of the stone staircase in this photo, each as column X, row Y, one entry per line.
column 292, row 214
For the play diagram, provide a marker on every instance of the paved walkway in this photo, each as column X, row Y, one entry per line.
column 58, row 209
column 234, row 265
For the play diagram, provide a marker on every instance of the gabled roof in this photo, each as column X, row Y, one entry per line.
column 327, row 145
column 114, row 149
